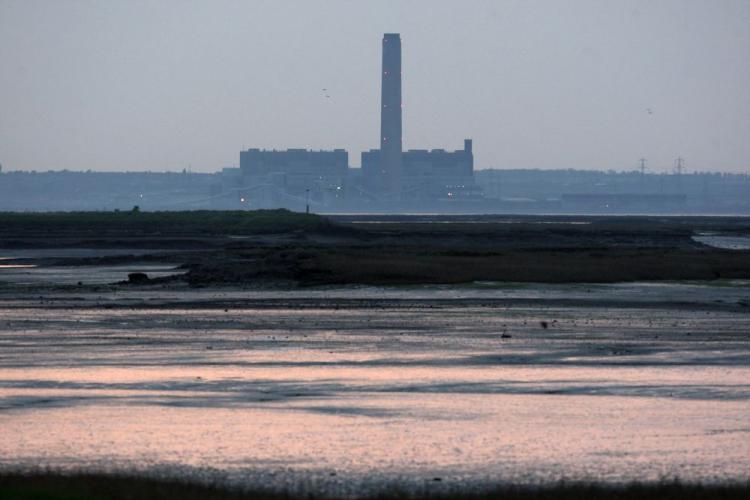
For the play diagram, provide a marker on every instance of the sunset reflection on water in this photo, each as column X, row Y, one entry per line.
column 379, row 392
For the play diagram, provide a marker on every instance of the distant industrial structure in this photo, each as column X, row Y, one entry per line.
column 389, row 178
column 284, row 178
column 518, row 191
column 390, row 168
column 423, row 175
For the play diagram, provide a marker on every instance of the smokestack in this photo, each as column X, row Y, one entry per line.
column 390, row 114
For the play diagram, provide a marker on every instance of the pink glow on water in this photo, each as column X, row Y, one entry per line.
column 378, row 391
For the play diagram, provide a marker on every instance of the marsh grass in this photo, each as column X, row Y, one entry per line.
column 199, row 222
column 307, row 249
column 605, row 265
column 84, row 486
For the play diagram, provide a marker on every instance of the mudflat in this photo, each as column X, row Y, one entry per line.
column 343, row 357
column 350, row 390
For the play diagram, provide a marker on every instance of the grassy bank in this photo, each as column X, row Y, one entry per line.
column 279, row 246
column 48, row 486
column 194, row 223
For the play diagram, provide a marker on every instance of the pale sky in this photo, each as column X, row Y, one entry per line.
column 163, row 84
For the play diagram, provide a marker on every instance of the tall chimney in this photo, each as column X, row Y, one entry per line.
column 390, row 115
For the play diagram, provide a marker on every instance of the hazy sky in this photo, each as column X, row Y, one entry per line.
column 157, row 85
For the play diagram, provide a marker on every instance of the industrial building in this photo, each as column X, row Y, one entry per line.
column 420, row 175
column 425, row 175
column 299, row 166
column 389, row 178
column 391, row 136
column 296, row 170
column 289, row 178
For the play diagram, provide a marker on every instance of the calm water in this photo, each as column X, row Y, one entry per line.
column 316, row 389
column 89, row 275
column 28, row 272
column 735, row 242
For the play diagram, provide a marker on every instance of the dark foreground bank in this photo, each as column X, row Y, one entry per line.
column 51, row 486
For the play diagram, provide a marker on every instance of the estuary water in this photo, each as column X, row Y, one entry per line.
column 343, row 388
column 726, row 242
column 21, row 266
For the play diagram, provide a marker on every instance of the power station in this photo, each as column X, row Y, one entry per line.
column 389, row 178
column 390, row 116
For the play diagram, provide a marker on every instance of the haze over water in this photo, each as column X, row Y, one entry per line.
column 143, row 85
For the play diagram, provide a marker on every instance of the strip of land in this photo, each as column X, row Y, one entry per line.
column 281, row 247
column 53, row 486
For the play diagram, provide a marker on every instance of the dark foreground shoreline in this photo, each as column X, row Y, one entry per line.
column 90, row 486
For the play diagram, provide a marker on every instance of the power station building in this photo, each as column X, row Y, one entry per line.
column 287, row 178
column 296, row 170
column 391, row 136
column 424, row 174
column 417, row 173
column 389, row 177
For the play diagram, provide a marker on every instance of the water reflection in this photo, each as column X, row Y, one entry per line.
column 736, row 242
column 26, row 274
column 377, row 391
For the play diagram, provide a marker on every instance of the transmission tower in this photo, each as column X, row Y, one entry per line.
column 679, row 166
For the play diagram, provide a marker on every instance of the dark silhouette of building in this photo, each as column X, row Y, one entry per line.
column 390, row 116
column 393, row 174
column 270, row 178
column 389, row 179
column 294, row 162
column 427, row 174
